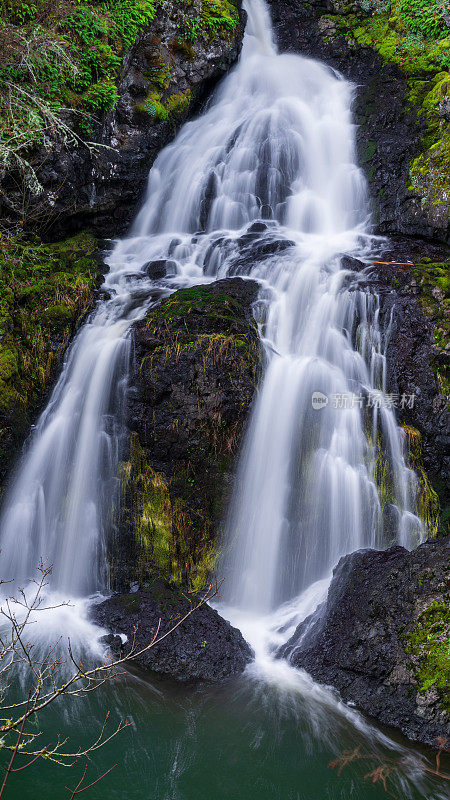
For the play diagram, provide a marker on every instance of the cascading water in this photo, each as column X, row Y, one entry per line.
column 264, row 185
column 267, row 183
column 275, row 148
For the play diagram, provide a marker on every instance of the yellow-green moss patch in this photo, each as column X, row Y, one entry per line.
column 429, row 643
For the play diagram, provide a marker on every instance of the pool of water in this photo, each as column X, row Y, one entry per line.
column 247, row 740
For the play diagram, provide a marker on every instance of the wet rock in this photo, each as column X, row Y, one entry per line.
column 155, row 269
column 444, row 109
column 388, row 129
column 257, row 227
column 381, row 636
column 353, row 264
column 203, row 648
column 415, row 307
column 197, row 365
column 410, row 279
column 256, row 247
column 391, row 519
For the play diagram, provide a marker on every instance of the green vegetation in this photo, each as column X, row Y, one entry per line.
column 425, row 17
column 165, row 110
column 433, row 280
column 186, row 302
column 428, row 506
column 231, row 344
column 166, row 542
column 414, row 35
column 60, row 64
column 44, row 290
column 199, row 341
column 429, row 643
column 211, row 17
column 57, row 57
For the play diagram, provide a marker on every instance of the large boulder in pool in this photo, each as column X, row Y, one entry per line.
column 205, row 647
column 382, row 637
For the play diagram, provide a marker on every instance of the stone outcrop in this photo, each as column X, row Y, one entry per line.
column 197, row 364
column 165, row 79
column 382, row 636
column 394, row 103
column 415, row 308
column 203, row 648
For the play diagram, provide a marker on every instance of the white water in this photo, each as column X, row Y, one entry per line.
column 276, row 144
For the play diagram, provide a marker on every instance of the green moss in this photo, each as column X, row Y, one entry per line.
column 217, row 306
column 130, row 602
column 166, row 542
column 428, row 507
column 178, row 103
column 430, row 174
column 173, row 512
column 232, row 344
column 168, row 109
column 210, row 18
column 45, row 289
column 430, row 644
column 382, row 473
column 413, row 35
column 433, row 282
column 369, row 151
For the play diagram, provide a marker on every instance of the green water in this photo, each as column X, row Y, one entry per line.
column 243, row 741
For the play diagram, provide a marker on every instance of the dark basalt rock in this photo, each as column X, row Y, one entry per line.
column 197, row 365
column 359, row 640
column 203, row 648
column 408, row 276
column 413, row 306
column 100, row 188
column 156, row 269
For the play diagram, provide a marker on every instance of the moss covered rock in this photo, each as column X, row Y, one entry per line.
column 415, row 37
column 197, row 366
column 45, row 290
column 382, row 637
column 107, row 85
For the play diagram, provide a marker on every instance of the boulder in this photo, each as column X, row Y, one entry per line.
column 205, row 647
column 197, row 365
column 382, row 636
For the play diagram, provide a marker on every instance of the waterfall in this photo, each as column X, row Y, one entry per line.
column 264, row 185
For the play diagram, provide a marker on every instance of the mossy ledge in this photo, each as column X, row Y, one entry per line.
column 198, row 362
column 87, row 106
column 429, row 645
column 415, row 37
column 45, row 291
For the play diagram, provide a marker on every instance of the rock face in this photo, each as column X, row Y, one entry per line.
column 382, row 637
column 197, row 364
column 387, row 106
column 204, row 648
column 165, row 78
column 45, row 293
column 415, row 307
